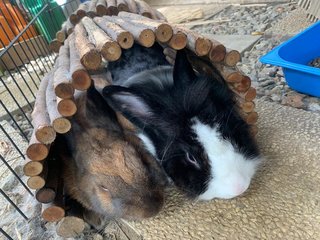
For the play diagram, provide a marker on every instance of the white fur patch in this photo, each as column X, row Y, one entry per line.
column 231, row 171
column 148, row 144
column 151, row 148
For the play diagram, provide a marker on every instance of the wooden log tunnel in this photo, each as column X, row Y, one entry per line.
column 101, row 8
column 99, row 31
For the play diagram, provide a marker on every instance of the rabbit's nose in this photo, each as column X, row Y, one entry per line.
column 240, row 187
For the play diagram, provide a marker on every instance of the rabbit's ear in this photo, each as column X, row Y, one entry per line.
column 129, row 103
column 183, row 73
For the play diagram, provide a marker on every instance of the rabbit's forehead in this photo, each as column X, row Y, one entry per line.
column 118, row 162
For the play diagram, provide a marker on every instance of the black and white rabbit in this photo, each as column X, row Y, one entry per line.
column 187, row 120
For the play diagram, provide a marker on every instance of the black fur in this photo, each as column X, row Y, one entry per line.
column 135, row 60
column 165, row 116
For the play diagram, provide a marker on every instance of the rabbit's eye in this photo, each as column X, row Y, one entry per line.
column 192, row 160
column 104, row 188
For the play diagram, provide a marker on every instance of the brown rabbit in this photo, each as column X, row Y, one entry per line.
column 107, row 170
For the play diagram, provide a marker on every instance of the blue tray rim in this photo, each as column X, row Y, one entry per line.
column 273, row 57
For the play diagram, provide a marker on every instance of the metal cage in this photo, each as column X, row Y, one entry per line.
column 26, row 28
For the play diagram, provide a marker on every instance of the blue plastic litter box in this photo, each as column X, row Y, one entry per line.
column 294, row 55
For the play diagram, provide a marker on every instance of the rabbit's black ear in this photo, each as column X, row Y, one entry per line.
column 129, row 103
column 183, row 73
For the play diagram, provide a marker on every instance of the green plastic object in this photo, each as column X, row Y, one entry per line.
column 50, row 21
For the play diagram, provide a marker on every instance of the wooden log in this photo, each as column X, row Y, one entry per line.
column 251, row 118
column 47, row 193
column 62, row 125
column 112, row 7
column 134, row 16
column 70, row 227
column 162, row 30
column 160, row 16
column 82, row 10
column 74, row 18
column 196, row 43
column 178, row 41
column 243, row 85
column 217, row 52
column 44, row 132
column 69, row 27
column 36, row 182
column 55, row 45
column 245, row 106
column 101, row 8
column 144, row 9
column 145, row 37
column 254, row 130
column 122, row 6
column 59, row 123
column 89, row 55
column 109, row 49
column 80, row 77
column 155, row 15
column 62, row 34
column 66, row 107
column 36, row 151
column 61, row 78
column 100, row 81
column 54, row 211
column 232, row 57
column 72, row 224
column 32, row 168
column 92, row 9
column 132, row 6
column 116, row 33
column 231, row 75
column 248, row 96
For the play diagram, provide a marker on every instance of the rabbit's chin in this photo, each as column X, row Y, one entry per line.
column 231, row 171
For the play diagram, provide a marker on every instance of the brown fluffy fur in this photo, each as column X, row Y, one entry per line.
column 108, row 171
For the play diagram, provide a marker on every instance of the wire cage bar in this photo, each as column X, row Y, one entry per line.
column 27, row 27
